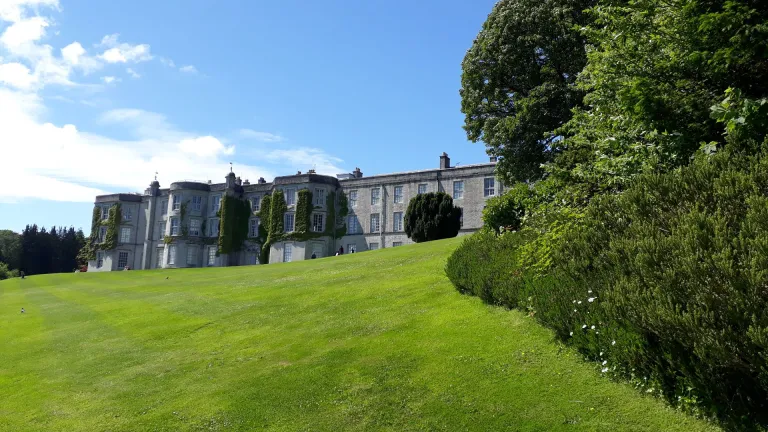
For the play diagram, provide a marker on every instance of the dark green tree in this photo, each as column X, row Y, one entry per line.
column 10, row 248
column 517, row 85
column 432, row 216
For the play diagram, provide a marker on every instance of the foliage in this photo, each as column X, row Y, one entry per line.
column 343, row 205
column 365, row 341
column 432, row 216
column 517, row 84
column 113, row 227
column 54, row 251
column 304, row 208
column 233, row 224
column 264, row 216
column 4, row 272
column 10, row 248
column 507, row 211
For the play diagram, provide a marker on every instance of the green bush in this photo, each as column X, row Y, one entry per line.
column 432, row 216
column 4, row 272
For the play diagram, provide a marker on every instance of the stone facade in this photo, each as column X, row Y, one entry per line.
column 177, row 227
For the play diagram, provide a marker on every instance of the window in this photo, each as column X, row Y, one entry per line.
column 215, row 204
column 128, row 213
column 213, row 227
column 351, row 247
column 398, row 194
column 99, row 259
column 104, row 212
column 287, row 252
column 125, row 235
column 256, row 203
column 191, row 256
column 194, row 227
column 352, row 199
column 396, row 244
column 172, row 254
column 319, row 197
column 353, row 225
column 290, row 196
column 176, row 202
column 397, row 221
column 373, row 246
column 102, row 234
column 375, row 196
column 164, row 207
column 289, row 222
column 122, row 260
column 489, row 187
column 317, row 223
column 211, row 255
column 159, row 260
column 197, row 203
column 174, row 226
column 375, row 223
column 458, row 190
column 161, row 230
column 422, row 188
column 317, row 250
column 253, row 230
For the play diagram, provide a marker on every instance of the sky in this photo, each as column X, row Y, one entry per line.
column 96, row 97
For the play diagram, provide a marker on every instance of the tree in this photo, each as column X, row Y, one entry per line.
column 10, row 248
column 432, row 216
column 517, row 85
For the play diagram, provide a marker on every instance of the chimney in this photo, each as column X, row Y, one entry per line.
column 246, row 182
column 357, row 173
column 445, row 161
column 494, row 159
column 238, row 182
column 262, row 181
column 298, row 172
column 311, row 172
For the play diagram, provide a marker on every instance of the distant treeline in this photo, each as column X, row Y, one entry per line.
column 38, row 251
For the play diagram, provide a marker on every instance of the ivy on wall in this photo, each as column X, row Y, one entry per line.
column 113, row 226
column 304, row 212
column 264, row 216
column 233, row 225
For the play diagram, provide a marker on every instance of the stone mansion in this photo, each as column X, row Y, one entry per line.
column 178, row 227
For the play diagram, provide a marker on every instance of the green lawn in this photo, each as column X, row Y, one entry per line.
column 371, row 341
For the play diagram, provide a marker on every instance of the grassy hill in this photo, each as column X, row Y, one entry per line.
column 371, row 341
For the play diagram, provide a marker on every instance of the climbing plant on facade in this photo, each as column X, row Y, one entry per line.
column 304, row 212
column 233, row 225
column 264, row 217
column 113, row 226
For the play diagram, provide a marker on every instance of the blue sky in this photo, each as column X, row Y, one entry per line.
column 97, row 96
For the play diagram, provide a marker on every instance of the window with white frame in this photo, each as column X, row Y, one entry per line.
column 375, row 196
column 375, row 223
column 290, row 219
column 191, row 256
column 122, row 260
column 172, row 254
column 99, row 259
column 159, row 259
column 253, row 230
column 489, row 187
column 213, row 227
column 211, row 255
column 102, row 234
column 125, row 235
column 215, row 204
column 290, row 196
column 353, row 225
column 352, row 199
column 176, row 201
column 351, row 247
column 422, row 188
column 128, row 213
column 396, row 244
column 458, row 190
column 161, row 230
column 373, row 246
column 287, row 252
column 398, row 195
column 174, row 226
column 194, row 227
column 319, row 197
column 397, row 221
column 197, row 203
column 164, row 207
column 256, row 203
column 317, row 222
column 104, row 212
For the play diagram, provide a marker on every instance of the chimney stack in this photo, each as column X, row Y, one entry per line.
column 445, row 161
column 357, row 173
column 262, row 181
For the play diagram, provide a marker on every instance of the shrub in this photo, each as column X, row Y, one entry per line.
column 506, row 212
column 4, row 272
column 432, row 216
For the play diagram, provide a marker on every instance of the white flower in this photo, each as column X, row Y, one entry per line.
column 584, row 326
column 605, row 370
column 589, row 292
column 605, row 362
column 579, row 301
column 574, row 302
column 601, row 353
column 593, row 327
column 571, row 333
column 613, row 343
column 591, row 299
column 597, row 332
column 575, row 310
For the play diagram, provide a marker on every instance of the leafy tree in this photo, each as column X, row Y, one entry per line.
column 432, row 216
column 517, row 85
column 10, row 248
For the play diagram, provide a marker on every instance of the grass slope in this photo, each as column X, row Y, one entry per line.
column 370, row 341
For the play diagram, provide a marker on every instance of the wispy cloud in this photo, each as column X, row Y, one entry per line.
column 110, row 79
column 118, row 52
column 260, row 136
column 133, row 74
column 188, row 69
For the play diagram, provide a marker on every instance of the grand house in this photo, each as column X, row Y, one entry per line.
column 178, row 226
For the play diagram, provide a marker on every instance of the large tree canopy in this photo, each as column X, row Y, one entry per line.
column 517, row 85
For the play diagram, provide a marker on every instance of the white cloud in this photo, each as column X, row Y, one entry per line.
column 304, row 158
column 13, row 10
column 16, row 75
column 123, row 52
column 110, row 79
column 260, row 136
column 132, row 73
column 23, row 32
column 206, row 146
column 188, row 69
column 74, row 54
column 168, row 62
